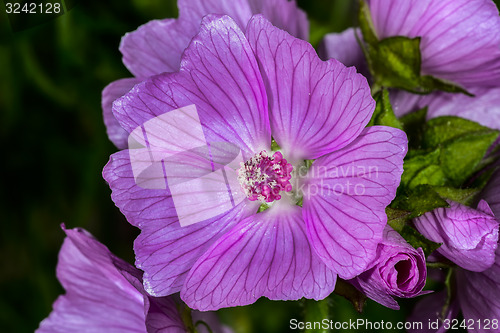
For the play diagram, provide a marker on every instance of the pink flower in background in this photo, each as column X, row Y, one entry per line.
column 157, row 46
column 105, row 294
column 459, row 38
column 469, row 236
column 247, row 88
column 477, row 294
column 398, row 270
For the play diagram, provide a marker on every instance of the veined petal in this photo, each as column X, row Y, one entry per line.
column 267, row 254
column 479, row 293
column 316, row 107
column 491, row 193
column 469, row 236
column 345, row 196
column 457, row 42
column 220, row 76
column 112, row 92
column 157, row 46
column 103, row 293
column 164, row 250
column 345, row 48
column 284, row 14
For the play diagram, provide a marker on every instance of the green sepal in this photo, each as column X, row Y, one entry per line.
column 349, row 292
column 384, row 114
column 418, row 201
column 397, row 218
column 423, row 168
column 463, row 196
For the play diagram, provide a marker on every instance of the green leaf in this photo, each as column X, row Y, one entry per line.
column 460, row 159
column 349, row 292
column 414, row 125
column 396, row 218
column 444, row 129
column 462, row 144
column 423, row 169
column 463, row 196
column 384, row 114
column 416, row 239
column 316, row 311
column 418, row 201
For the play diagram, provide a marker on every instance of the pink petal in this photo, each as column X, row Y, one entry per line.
column 164, row 250
column 268, row 255
column 479, row 294
column 284, row 14
column 316, row 107
column 345, row 196
column 103, row 293
column 469, row 236
column 220, row 76
column 345, row 48
column 157, row 46
column 112, row 92
column 491, row 194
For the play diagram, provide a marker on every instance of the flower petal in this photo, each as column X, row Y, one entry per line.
column 345, row 48
column 220, row 76
column 398, row 270
column 316, row 107
column 267, row 254
column 164, row 250
column 157, row 46
column 479, row 294
column 491, row 194
column 345, row 196
column 457, row 41
column 112, row 92
column 284, row 14
column 103, row 293
column 469, row 236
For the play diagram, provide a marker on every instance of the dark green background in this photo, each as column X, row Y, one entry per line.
column 55, row 147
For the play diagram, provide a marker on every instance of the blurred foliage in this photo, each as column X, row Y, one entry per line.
column 51, row 78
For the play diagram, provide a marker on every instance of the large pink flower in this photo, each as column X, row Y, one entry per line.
column 247, row 88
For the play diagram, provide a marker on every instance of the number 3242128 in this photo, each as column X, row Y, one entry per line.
column 32, row 8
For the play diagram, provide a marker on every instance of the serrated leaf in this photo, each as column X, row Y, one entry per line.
column 384, row 114
column 419, row 201
column 349, row 292
column 464, row 196
column 316, row 311
column 414, row 126
column 423, row 169
column 416, row 239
